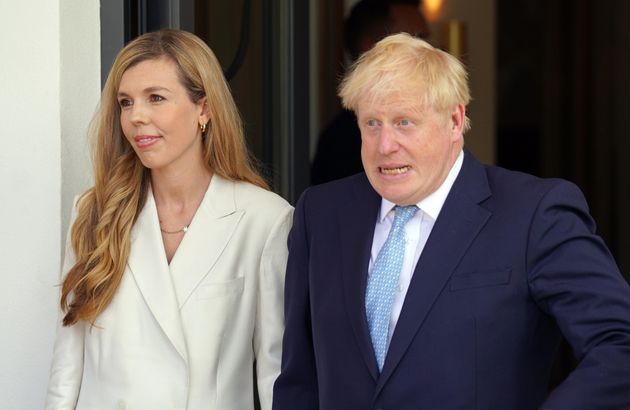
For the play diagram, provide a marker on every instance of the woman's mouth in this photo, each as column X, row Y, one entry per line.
column 144, row 141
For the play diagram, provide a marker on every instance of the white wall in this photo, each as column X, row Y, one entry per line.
column 80, row 79
column 49, row 90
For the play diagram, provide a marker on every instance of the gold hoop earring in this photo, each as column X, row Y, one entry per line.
column 203, row 128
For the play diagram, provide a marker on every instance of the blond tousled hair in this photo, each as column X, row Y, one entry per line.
column 407, row 66
column 100, row 235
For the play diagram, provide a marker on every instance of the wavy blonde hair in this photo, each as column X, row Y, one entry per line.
column 100, row 235
column 407, row 66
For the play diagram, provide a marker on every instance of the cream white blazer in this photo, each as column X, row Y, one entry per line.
column 185, row 336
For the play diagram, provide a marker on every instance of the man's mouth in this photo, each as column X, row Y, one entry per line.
column 394, row 171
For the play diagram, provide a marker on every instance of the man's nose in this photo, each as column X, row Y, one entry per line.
column 387, row 141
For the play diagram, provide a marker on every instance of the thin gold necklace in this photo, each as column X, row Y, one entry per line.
column 183, row 230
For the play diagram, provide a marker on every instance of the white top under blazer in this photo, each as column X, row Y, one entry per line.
column 186, row 335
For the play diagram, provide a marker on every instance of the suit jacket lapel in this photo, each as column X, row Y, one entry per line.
column 148, row 265
column 209, row 233
column 356, row 219
column 459, row 222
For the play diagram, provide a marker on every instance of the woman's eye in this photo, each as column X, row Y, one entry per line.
column 124, row 103
column 156, row 98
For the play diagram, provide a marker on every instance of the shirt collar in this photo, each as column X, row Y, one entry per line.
column 432, row 204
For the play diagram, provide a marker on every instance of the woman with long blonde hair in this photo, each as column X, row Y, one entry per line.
column 174, row 268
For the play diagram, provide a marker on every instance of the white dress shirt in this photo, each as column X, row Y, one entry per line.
column 417, row 232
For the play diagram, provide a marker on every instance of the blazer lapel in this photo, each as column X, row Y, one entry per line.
column 209, row 233
column 356, row 219
column 459, row 222
column 148, row 265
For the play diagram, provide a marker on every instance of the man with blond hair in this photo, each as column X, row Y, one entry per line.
column 432, row 281
column 338, row 152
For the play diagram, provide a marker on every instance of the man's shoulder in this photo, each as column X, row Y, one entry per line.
column 342, row 186
column 352, row 189
column 523, row 187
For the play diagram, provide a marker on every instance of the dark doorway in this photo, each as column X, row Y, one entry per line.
column 562, row 95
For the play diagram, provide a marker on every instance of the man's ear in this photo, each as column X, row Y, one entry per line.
column 457, row 121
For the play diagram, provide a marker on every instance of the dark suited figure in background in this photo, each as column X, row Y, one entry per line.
column 432, row 281
column 339, row 148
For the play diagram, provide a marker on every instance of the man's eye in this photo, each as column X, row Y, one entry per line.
column 404, row 122
column 156, row 98
column 371, row 123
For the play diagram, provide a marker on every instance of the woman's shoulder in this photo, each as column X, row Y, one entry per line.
column 263, row 208
column 247, row 195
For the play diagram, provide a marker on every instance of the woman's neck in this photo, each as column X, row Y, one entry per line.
column 181, row 188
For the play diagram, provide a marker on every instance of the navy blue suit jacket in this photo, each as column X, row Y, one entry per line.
column 512, row 263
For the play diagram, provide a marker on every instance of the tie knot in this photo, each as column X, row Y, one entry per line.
column 403, row 214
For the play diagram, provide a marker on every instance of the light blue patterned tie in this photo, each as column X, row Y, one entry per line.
column 382, row 282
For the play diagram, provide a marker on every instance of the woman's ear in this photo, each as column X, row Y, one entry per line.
column 204, row 114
